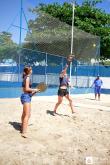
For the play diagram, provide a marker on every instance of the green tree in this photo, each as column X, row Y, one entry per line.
column 8, row 49
column 87, row 17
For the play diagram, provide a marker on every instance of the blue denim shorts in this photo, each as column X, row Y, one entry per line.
column 97, row 90
column 26, row 98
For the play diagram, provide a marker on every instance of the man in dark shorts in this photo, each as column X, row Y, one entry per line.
column 97, row 87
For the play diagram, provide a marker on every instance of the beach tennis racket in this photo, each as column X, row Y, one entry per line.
column 70, row 59
column 41, row 86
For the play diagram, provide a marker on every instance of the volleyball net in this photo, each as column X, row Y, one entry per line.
column 45, row 47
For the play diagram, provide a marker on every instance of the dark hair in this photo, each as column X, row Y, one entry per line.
column 26, row 70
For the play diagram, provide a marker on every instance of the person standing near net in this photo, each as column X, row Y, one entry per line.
column 63, row 89
column 26, row 96
column 97, row 87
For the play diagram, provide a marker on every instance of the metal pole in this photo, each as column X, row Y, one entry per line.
column 72, row 30
column 76, row 74
column 99, row 58
column 62, row 62
column 72, row 33
column 46, row 69
column 20, row 38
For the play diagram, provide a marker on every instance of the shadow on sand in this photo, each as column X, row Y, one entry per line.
column 55, row 114
column 90, row 99
column 16, row 125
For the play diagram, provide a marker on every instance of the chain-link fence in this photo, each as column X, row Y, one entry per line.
column 45, row 47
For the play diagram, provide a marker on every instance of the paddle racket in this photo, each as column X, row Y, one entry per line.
column 41, row 86
column 70, row 59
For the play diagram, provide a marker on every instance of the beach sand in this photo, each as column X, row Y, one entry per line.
column 64, row 139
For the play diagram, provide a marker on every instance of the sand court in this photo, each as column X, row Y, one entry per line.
column 63, row 139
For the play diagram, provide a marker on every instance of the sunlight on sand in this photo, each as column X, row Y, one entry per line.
column 63, row 139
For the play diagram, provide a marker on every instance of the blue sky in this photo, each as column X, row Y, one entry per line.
column 10, row 9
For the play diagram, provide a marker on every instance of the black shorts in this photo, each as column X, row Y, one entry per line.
column 62, row 92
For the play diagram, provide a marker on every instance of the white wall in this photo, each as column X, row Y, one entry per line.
column 53, row 79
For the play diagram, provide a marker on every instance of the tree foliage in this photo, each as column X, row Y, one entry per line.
column 8, row 49
column 87, row 17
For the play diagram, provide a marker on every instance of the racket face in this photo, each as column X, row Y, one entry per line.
column 41, row 86
column 70, row 58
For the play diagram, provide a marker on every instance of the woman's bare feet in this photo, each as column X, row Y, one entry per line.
column 24, row 135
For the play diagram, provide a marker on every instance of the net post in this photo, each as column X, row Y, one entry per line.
column 72, row 31
column 20, row 35
column 46, row 69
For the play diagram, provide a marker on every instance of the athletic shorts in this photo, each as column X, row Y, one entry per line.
column 26, row 98
column 97, row 90
column 62, row 92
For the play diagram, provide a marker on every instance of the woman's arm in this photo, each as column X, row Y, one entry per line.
column 27, row 86
column 64, row 71
column 66, row 67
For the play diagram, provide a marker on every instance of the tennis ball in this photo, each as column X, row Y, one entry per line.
column 94, row 45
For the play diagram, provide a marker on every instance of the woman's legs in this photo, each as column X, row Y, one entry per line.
column 25, row 116
column 70, row 102
column 60, row 99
